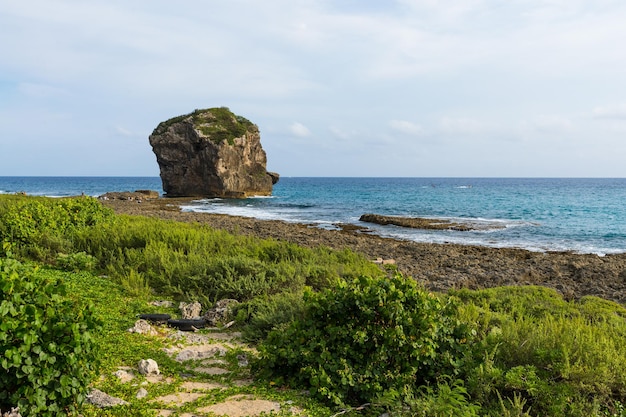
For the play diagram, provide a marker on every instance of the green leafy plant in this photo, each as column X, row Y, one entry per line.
column 47, row 353
column 367, row 338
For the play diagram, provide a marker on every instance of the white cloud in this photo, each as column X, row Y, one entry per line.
column 404, row 126
column 463, row 126
column 615, row 111
column 343, row 134
column 299, row 130
column 552, row 124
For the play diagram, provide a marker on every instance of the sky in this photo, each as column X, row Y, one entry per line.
column 374, row 88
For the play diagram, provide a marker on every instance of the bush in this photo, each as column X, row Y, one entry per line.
column 366, row 339
column 42, row 227
column 264, row 314
column 46, row 349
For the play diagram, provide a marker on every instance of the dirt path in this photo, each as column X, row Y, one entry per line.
column 214, row 380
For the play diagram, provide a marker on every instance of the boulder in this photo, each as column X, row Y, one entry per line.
column 221, row 312
column 211, row 153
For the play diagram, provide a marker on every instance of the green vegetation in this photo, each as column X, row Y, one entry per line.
column 349, row 331
column 74, row 276
column 47, row 354
column 218, row 123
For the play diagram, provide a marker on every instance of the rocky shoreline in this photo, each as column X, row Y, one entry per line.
column 438, row 266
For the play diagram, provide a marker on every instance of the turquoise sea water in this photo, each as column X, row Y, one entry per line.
column 541, row 214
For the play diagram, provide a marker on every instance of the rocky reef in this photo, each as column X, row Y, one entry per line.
column 211, row 153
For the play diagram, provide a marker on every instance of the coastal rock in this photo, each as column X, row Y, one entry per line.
column 211, row 153
column 427, row 223
column 137, row 195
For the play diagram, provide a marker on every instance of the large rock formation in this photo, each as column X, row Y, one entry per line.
column 211, row 153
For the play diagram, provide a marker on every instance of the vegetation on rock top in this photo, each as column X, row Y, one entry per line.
column 219, row 124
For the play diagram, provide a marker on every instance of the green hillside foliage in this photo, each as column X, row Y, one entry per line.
column 331, row 324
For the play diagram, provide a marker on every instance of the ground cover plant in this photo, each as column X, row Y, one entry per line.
column 357, row 336
column 47, row 351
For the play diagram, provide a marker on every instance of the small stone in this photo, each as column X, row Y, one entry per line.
column 242, row 360
column 15, row 412
column 143, row 327
column 142, row 393
column 163, row 303
column 124, row 376
column 148, row 367
column 103, row 400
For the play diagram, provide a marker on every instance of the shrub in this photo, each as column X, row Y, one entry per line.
column 46, row 349
column 366, row 339
column 264, row 314
column 42, row 227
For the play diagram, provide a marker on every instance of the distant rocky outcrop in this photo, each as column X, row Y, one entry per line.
column 429, row 223
column 211, row 153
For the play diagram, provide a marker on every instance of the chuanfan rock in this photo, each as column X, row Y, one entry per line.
column 211, row 153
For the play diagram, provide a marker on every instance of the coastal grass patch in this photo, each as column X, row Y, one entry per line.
column 187, row 261
column 557, row 357
column 196, row 262
column 41, row 229
column 527, row 351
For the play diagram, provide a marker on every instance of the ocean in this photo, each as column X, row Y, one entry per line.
column 582, row 215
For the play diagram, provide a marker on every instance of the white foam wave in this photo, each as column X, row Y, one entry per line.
column 496, row 233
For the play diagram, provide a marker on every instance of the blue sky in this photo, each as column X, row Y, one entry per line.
column 338, row 88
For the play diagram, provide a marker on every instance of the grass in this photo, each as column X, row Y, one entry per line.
column 533, row 354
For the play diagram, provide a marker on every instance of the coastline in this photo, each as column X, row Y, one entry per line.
column 439, row 267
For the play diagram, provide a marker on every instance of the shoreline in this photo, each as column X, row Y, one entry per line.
column 439, row 267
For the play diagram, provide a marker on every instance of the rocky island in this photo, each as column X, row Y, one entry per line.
column 211, row 153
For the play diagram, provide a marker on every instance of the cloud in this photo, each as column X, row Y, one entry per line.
column 615, row 111
column 475, row 71
column 404, row 126
column 343, row 134
column 463, row 126
column 552, row 124
column 299, row 130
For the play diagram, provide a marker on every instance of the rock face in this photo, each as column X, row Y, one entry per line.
column 211, row 153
